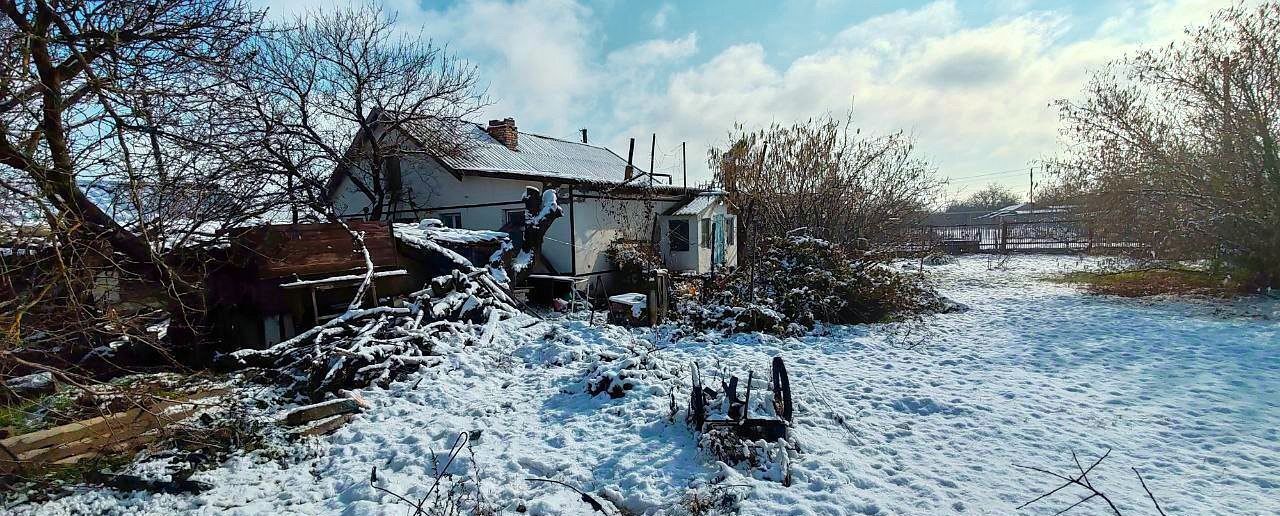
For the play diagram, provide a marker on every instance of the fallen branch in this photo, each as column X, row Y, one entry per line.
column 1082, row 480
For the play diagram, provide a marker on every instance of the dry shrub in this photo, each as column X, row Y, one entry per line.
column 811, row 280
column 634, row 260
column 711, row 500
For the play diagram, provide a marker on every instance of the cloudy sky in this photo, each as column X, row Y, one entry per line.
column 973, row 80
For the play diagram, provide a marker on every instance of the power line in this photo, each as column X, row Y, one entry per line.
column 993, row 177
column 991, row 174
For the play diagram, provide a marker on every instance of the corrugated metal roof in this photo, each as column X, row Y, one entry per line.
column 698, row 203
column 541, row 156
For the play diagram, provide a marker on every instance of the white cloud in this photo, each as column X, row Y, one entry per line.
column 977, row 97
column 534, row 53
column 660, row 18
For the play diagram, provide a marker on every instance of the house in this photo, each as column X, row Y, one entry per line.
column 605, row 199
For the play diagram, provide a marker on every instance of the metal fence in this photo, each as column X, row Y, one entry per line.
column 1006, row 236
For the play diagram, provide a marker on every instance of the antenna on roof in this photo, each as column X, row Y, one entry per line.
column 684, row 166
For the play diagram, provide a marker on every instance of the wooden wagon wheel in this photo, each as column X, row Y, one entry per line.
column 781, row 385
column 697, row 401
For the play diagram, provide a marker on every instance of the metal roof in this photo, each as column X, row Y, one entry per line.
column 697, row 204
column 541, row 156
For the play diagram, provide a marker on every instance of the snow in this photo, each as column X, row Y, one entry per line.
column 549, row 206
column 343, row 279
column 924, row 417
column 635, row 300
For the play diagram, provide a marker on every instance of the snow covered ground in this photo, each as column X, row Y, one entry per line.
column 906, row 418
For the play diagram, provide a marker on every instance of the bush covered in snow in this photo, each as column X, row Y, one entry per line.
column 800, row 281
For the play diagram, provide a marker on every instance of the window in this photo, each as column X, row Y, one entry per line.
column 704, row 233
column 452, row 220
column 730, row 230
column 678, row 235
column 513, row 224
column 513, row 220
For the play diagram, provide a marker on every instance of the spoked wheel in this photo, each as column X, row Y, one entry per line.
column 697, row 402
column 781, row 390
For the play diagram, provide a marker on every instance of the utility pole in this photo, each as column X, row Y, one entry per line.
column 684, row 166
column 1031, row 194
column 653, row 149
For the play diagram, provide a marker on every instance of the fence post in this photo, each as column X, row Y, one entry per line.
column 1004, row 236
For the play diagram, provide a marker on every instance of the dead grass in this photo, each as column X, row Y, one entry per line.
column 1154, row 282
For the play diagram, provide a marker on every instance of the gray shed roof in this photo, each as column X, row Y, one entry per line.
column 541, row 156
column 697, row 204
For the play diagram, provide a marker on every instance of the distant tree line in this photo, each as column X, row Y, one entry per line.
column 990, row 198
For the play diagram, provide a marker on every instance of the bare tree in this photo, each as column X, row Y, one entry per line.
column 823, row 175
column 990, row 198
column 325, row 75
column 111, row 123
column 1176, row 146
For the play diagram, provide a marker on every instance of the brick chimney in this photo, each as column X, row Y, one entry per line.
column 505, row 132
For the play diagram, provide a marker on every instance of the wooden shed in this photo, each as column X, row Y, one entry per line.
column 281, row 279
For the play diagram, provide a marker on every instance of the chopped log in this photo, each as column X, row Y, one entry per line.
column 321, row 410
column 326, row 426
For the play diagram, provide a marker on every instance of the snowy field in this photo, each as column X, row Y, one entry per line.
column 907, row 418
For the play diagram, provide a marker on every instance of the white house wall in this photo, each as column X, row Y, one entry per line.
column 482, row 201
column 599, row 222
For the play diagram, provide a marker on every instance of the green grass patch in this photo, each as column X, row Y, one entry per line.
column 1152, row 282
column 32, row 415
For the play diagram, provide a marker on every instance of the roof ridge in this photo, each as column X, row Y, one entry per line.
column 548, row 137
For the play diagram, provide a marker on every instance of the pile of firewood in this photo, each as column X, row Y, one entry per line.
column 381, row 344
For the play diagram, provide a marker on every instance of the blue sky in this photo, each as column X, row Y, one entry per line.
column 972, row 80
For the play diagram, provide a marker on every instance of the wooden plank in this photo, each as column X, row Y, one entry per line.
column 363, row 403
column 321, row 410
column 81, row 429
column 125, row 446
column 69, row 432
column 146, row 423
column 326, row 426
column 303, row 249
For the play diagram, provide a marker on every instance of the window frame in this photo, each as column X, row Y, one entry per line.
column 507, row 220
column 457, row 215
column 671, row 235
column 704, row 233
